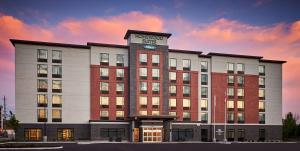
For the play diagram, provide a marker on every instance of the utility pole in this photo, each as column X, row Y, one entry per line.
column 214, row 139
column 4, row 113
column 225, row 116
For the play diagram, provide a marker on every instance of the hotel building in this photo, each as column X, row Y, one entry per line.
column 144, row 91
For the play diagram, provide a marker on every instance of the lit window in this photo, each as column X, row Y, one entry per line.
column 230, row 104
column 172, row 63
column 172, row 76
column 186, row 76
column 143, row 58
column 172, row 103
column 42, row 85
column 155, row 87
column 143, row 86
column 155, row 74
column 204, row 79
column 56, row 113
column 155, row 112
column 143, row 100
column 186, row 64
column 155, row 59
column 240, row 67
column 204, row 66
column 230, row 92
column 42, row 55
column 172, row 89
column 104, row 58
column 261, row 106
column 240, row 92
column 56, row 100
column 186, row 90
column 42, row 99
column 56, row 71
column 204, row 116
column 119, row 113
column 172, row 113
column 230, row 67
column 186, row 115
column 240, row 117
column 103, row 72
column 120, row 87
column 56, row 56
column 42, row 70
column 230, row 117
column 261, row 81
column 230, row 79
column 204, row 92
column 240, row 80
column 240, row 105
column 143, row 72
column 155, row 100
column 33, row 134
column 42, row 114
column 120, row 73
column 104, row 100
column 120, row 59
column 261, row 93
column 186, row 103
column 119, row 101
column 104, row 86
column 261, row 69
column 56, row 86
column 103, row 113
column 204, row 104
column 143, row 112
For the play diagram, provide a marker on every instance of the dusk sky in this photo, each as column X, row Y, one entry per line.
column 269, row 28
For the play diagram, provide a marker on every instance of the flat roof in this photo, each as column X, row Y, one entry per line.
column 107, row 45
column 42, row 43
column 272, row 61
column 185, row 51
column 146, row 33
column 234, row 55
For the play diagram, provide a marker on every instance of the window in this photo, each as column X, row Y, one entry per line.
column 173, row 63
column 186, row 77
column 42, row 85
column 104, row 115
column 143, row 87
column 56, row 100
column 261, row 106
column 230, row 80
column 119, row 102
column 186, row 91
column 33, row 134
column 261, row 94
column 42, row 70
column 240, row 105
column 230, row 135
column 143, row 73
column 155, row 112
column 186, row 64
column 120, row 88
column 112, row 132
column 204, row 117
column 186, row 103
column 143, row 59
column 42, row 100
column 261, row 70
column 230, row 92
column 204, row 92
column 261, row 82
column 230, row 105
column 143, row 102
column 240, row 68
column 230, row 67
column 120, row 74
column 155, row 102
column 172, row 76
column 240, row 93
column 204, row 66
column 104, row 73
column 56, row 86
column 241, row 134
column 172, row 113
column 104, row 87
column 240, row 80
column 65, row 134
column 120, row 115
column 262, row 135
column 230, row 117
column 42, row 115
column 204, row 79
column 204, row 105
column 56, row 115
column 262, row 118
column 172, row 104
column 155, row 88
column 104, row 59
column 155, row 60
column 104, row 101
column 56, row 56
column 120, row 60
column 182, row 134
column 56, row 71
column 186, row 116
column 172, row 90
column 42, row 55
column 155, row 74
column 143, row 112
column 240, row 117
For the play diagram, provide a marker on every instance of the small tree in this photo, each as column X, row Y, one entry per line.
column 289, row 126
column 13, row 123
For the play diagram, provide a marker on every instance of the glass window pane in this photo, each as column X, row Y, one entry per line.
column 186, row 76
column 186, row 103
column 56, row 69
column 120, row 87
column 204, row 104
column 56, row 99
column 186, row 63
column 104, row 86
column 42, row 69
column 172, row 75
column 143, row 86
column 104, row 113
column 104, row 100
column 56, row 55
column 172, row 88
column 186, row 89
column 240, row 92
column 120, row 73
column 120, row 113
column 155, row 73
column 230, row 66
column 155, row 86
column 143, row 72
column 143, row 100
column 155, row 58
column 42, row 54
column 172, row 62
column 120, row 58
column 230, row 104
column 42, row 84
column 104, row 72
column 56, row 84
column 172, row 102
column 155, row 100
column 119, row 100
column 204, row 65
column 104, row 57
column 143, row 57
column 240, row 67
column 42, row 98
column 56, row 113
column 204, row 91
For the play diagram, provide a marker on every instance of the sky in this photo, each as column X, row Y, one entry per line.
column 269, row 28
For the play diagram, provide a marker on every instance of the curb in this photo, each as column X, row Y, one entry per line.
column 32, row 148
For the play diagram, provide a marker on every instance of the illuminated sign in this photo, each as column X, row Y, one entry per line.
column 150, row 47
column 149, row 39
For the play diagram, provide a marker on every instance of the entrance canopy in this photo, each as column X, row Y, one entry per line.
column 154, row 117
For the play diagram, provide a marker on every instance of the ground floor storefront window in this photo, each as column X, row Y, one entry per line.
column 182, row 134
column 112, row 133
column 33, row 134
column 152, row 134
column 65, row 134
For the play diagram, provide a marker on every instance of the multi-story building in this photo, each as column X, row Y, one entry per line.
column 144, row 91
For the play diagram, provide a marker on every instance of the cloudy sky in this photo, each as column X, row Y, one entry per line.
column 270, row 28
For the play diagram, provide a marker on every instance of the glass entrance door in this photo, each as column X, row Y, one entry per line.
column 152, row 134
